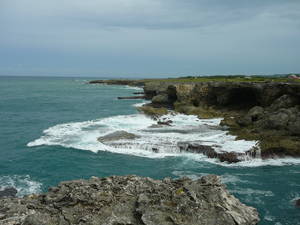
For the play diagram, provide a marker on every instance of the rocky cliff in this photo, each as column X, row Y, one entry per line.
column 130, row 200
column 264, row 111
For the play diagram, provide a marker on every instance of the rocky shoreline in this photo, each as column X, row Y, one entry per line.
column 267, row 112
column 130, row 200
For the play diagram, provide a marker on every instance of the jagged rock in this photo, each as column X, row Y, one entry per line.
column 8, row 192
column 153, row 111
column 277, row 120
column 195, row 147
column 116, row 136
column 256, row 113
column 230, row 157
column 210, row 152
column 167, row 122
column 161, row 99
column 130, row 200
column 285, row 101
column 229, row 122
column 152, row 89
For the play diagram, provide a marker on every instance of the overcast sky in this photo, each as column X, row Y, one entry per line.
column 149, row 37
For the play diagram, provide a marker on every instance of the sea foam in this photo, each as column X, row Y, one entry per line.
column 84, row 135
column 23, row 184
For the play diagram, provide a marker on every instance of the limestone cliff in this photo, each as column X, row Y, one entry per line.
column 264, row 111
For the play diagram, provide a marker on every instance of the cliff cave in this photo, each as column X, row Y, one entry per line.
column 242, row 98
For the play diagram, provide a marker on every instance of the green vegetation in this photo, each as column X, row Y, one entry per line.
column 233, row 78
column 195, row 79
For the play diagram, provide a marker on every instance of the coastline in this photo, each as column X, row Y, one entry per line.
column 266, row 110
column 241, row 181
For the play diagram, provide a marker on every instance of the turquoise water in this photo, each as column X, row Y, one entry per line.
column 29, row 106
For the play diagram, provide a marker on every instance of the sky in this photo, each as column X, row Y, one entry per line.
column 154, row 38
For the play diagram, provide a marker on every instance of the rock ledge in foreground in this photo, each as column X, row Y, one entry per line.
column 130, row 200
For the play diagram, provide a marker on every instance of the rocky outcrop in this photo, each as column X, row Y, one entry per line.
column 265, row 111
column 268, row 112
column 116, row 136
column 8, row 192
column 210, row 152
column 130, row 200
column 226, row 94
column 153, row 111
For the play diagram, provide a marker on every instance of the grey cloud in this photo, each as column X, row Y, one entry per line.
column 149, row 14
column 212, row 36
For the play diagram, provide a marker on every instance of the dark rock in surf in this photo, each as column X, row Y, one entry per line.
column 208, row 151
column 8, row 192
column 132, row 97
column 155, row 150
column 297, row 203
column 116, row 136
column 120, row 200
column 167, row 122
column 230, row 157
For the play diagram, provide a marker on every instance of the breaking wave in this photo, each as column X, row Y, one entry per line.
column 23, row 184
column 154, row 141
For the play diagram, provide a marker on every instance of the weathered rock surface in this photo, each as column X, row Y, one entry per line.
column 268, row 112
column 265, row 111
column 210, row 152
column 130, row 200
column 153, row 111
column 8, row 192
column 117, row 135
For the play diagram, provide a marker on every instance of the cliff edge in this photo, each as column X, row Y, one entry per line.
column 265, row 111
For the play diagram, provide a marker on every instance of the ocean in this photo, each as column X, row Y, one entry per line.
column 49, row 129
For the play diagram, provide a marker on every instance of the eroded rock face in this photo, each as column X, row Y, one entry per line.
column 268, row 112
column 228, row 94
column 130, row 200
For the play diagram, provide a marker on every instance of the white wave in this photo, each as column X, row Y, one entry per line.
column 133, row 88
column 266, row 162
column 164, row 139
column 226, row 178
column 229, row 178
column 83, row 135
column 141, row 103
column 269, row 217
column 23, row 184
column 251, row 192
